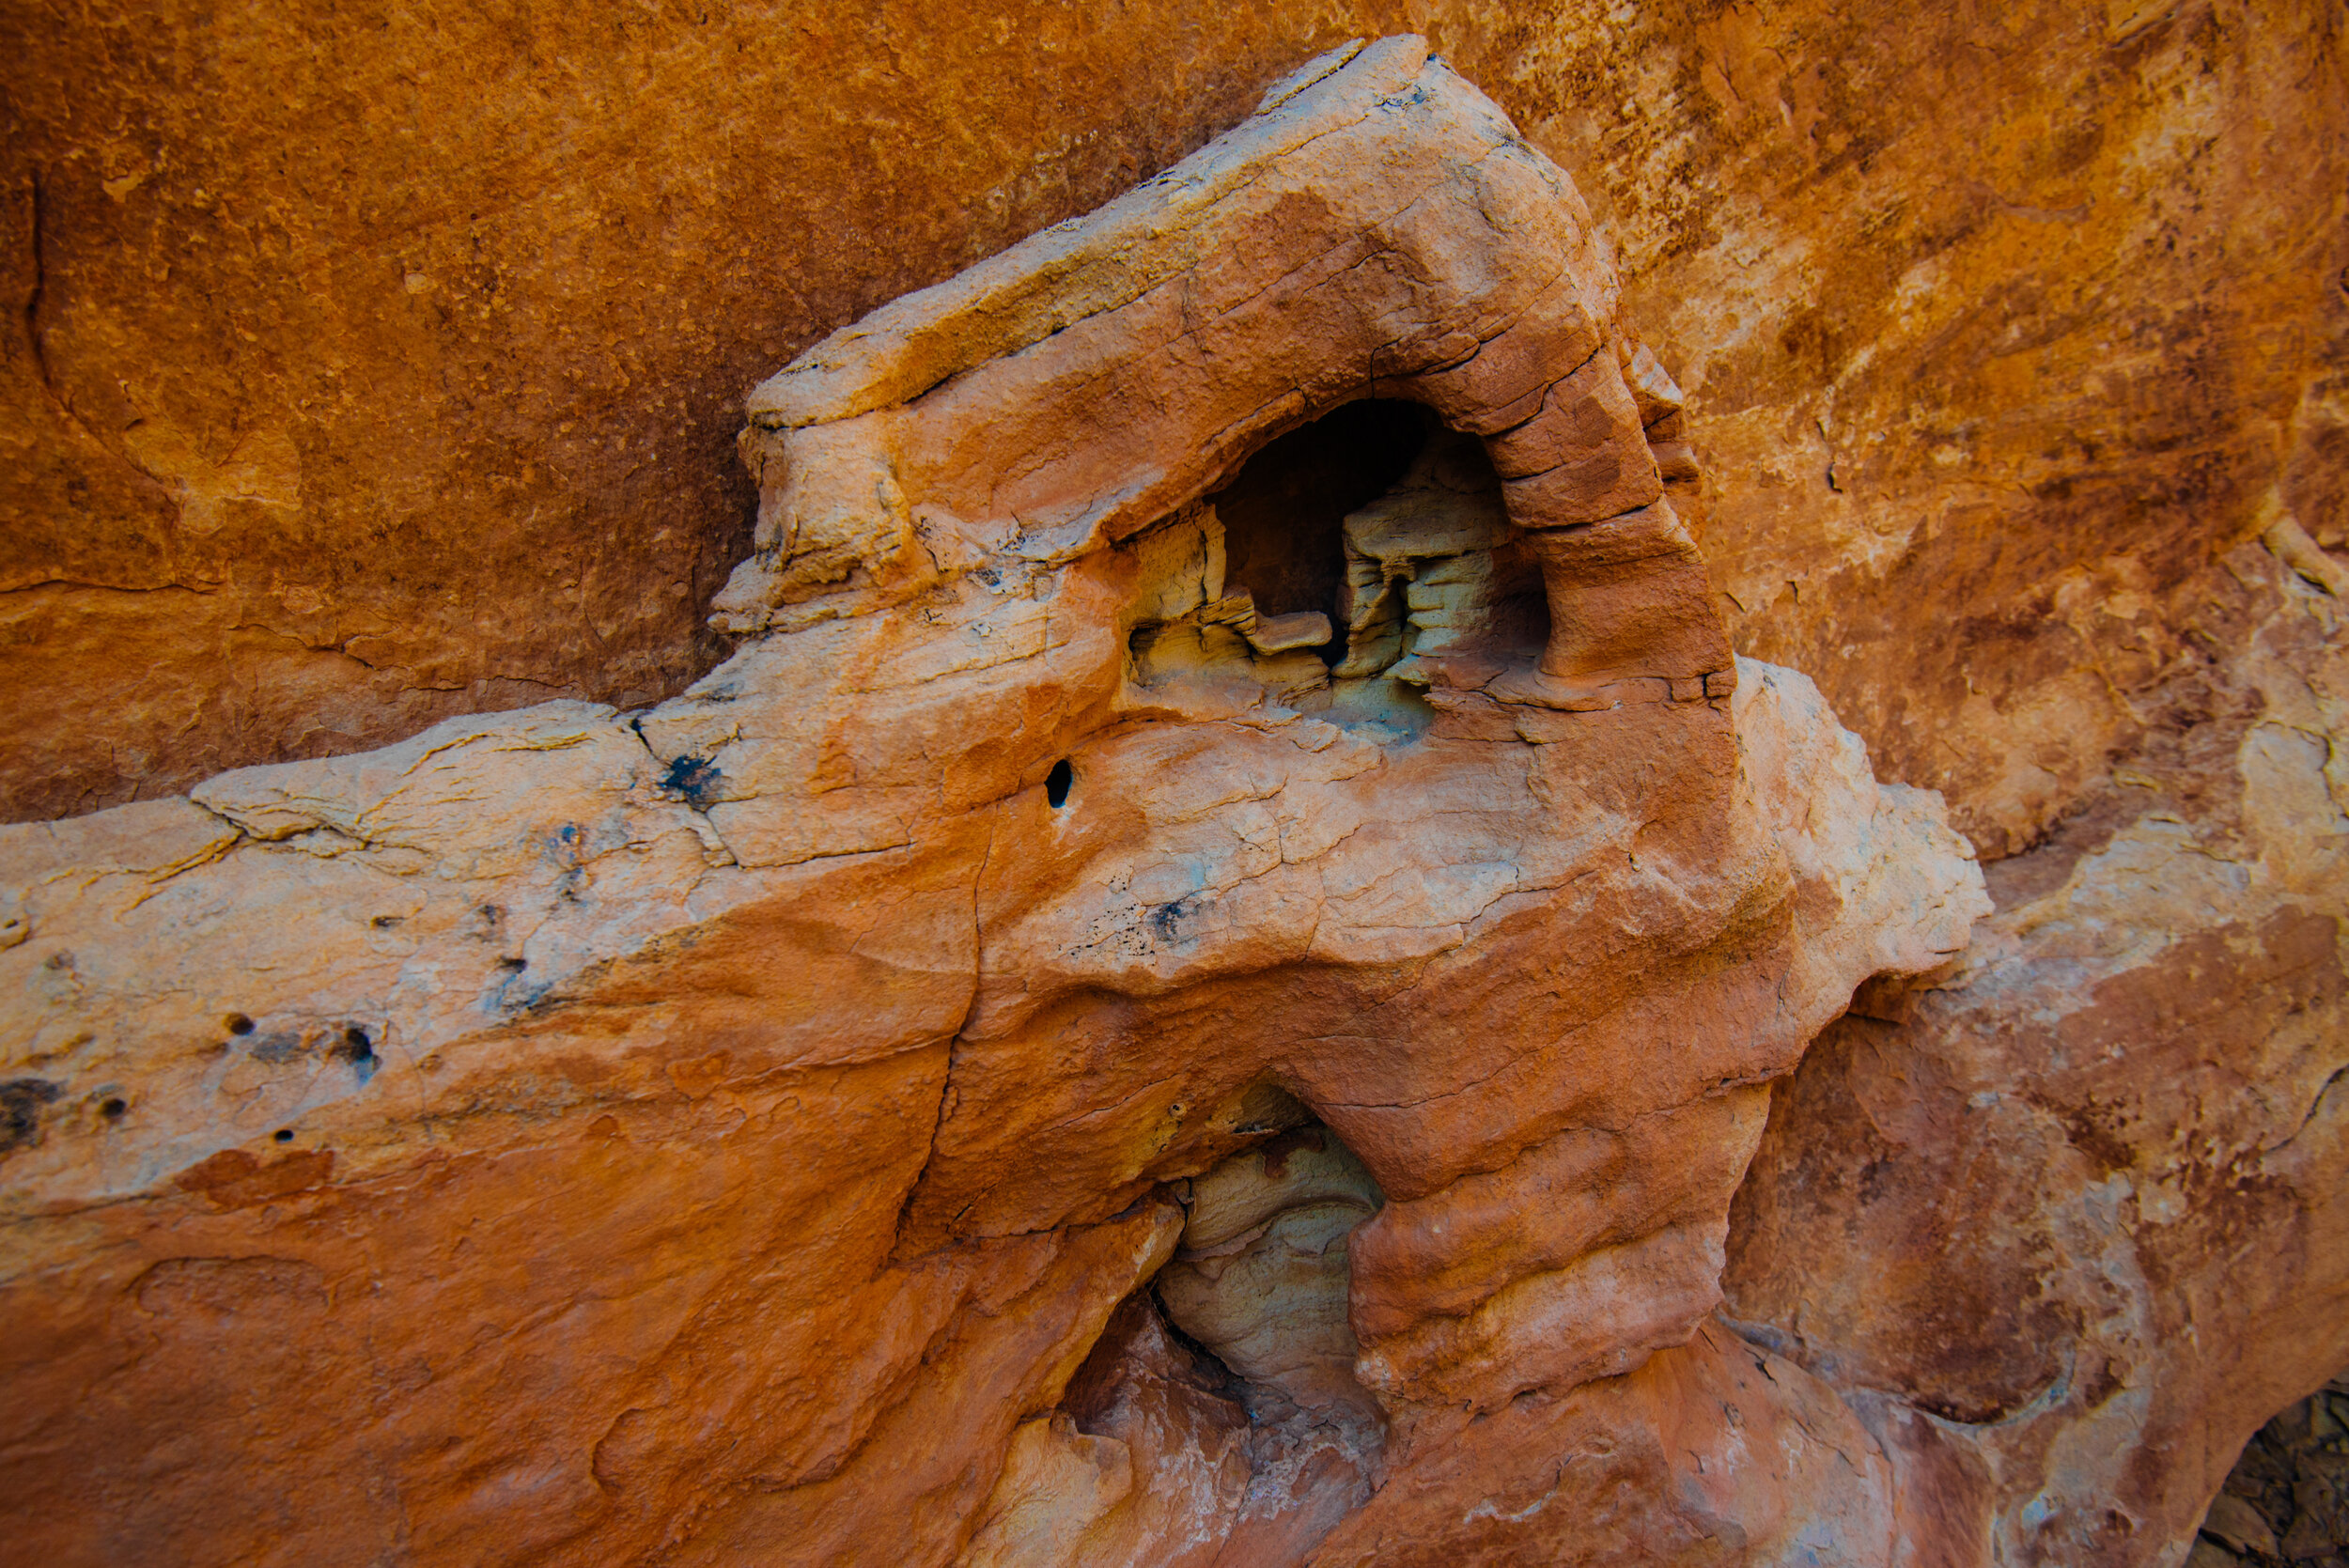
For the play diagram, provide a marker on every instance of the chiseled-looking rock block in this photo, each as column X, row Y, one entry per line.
column 831, row 1117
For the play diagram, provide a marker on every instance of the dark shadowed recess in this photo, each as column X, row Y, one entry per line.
column 1231, row 1370
column 2287, row 1498
column 1284, row 515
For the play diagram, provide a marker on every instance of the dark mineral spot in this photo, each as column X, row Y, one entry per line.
column 358, row 1048
column 1056, row 783
column 693, row 777
column 21, row 1099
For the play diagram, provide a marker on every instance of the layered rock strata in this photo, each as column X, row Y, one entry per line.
column 358, row 376
column 796, row 1122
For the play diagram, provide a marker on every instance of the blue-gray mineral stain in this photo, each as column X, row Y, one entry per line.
column 693, row 777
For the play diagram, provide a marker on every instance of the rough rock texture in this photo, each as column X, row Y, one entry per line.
column 1989, row 400
column 2108, row 1153
column 699, row 1134
column 377, row 368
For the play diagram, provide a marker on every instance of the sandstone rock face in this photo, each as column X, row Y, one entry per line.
column 370, row 374
column 796, row 1121
column 1198, row 988
column 2108, row 1150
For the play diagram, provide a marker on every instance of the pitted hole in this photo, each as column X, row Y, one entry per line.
column 358, row 1048
column 114, row 1108
column 238, row 1024
column 1284, row 514
column 283, row 1135
column 1056, row 783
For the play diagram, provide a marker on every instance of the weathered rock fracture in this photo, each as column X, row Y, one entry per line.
column 1198, row 991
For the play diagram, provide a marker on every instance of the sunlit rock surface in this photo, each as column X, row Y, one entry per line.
column 1231, row 724
column 712, row 1130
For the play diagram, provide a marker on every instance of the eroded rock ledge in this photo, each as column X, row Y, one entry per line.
column 1064, row 1049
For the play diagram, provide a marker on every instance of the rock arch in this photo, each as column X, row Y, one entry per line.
column 1379, row 230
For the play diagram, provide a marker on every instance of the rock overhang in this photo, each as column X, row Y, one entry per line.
column 1383, row 232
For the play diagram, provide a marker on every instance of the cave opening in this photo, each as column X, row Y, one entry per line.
column 1284, row 512
column 1347, row 566
column 1232, row 1370
column 2286, row 1500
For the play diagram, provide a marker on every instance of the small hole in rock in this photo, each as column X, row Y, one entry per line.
column 112, row 1110
column 1056, row 783
column 356, row 1038
column 283, row 1135
column 239, row 1024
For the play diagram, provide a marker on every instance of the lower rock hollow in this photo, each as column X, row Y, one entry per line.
column 1218, row 1412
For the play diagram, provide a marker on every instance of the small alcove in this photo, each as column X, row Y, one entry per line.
column 1234, row 1365
column 1343, row 560
column 2285, row 1501
column 1283, row 514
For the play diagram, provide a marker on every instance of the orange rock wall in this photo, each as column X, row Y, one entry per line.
column 362, row 373
column 727, row 1130
column 365, row 372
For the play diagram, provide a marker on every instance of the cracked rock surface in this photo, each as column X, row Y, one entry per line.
column 1069, row 1047
column 707, row 1132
